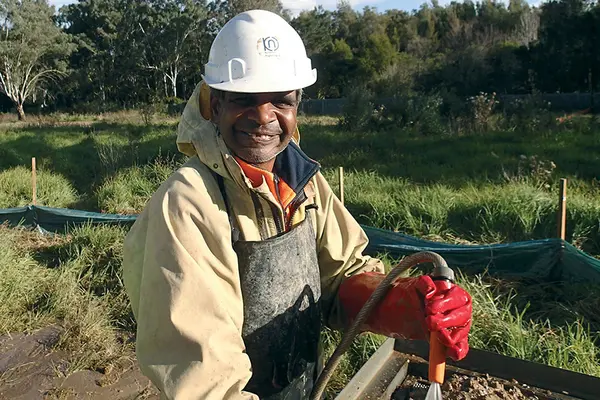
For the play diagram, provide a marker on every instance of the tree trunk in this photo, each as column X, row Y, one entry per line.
column 20, row 112
column 173, row 79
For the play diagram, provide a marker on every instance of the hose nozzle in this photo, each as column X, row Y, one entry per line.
column 442, row 272
column 443, row 277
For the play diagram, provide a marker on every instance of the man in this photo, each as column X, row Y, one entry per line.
column 243, row 252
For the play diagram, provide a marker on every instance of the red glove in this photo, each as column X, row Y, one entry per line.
column 412, row 309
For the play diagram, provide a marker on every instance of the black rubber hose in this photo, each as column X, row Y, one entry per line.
column 375, row 298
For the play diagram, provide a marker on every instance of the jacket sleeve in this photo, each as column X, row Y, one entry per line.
column 181, row 276
column 341, row 242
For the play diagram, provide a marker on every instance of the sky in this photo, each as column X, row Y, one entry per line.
column 298, row 5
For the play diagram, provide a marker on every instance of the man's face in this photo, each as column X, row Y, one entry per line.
column 256, row 126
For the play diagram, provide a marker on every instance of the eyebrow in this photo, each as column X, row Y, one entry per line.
column 252, row 96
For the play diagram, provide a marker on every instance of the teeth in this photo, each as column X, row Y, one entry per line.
column 256, row 135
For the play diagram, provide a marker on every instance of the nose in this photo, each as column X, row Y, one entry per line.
column 262, row 114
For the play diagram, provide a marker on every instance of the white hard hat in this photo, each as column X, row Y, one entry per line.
column 258, row 51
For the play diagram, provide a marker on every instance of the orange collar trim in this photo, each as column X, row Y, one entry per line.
column 256, row 176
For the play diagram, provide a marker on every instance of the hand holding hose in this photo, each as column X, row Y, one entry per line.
column 412, row 308
column 449, row 313
column 409, row 307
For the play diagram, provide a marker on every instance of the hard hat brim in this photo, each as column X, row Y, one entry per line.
column 249, row 85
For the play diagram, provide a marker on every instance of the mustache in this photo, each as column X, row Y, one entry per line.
column 270, row 130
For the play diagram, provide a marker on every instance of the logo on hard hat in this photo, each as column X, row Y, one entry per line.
column 268, row 45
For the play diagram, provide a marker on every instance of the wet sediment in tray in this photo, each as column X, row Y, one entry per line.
column 467, row 385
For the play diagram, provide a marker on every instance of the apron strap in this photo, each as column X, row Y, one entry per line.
column 235, row 233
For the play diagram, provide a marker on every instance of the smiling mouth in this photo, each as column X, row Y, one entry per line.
column 256, row 137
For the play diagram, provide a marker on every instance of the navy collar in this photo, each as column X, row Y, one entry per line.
column 295, row 167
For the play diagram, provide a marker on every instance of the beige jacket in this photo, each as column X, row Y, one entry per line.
column 181, row 272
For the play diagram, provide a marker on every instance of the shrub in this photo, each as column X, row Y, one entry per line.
column 175, row 105
column 358, row 110
column 528, row 114
column 420, row 113
column 482, row 110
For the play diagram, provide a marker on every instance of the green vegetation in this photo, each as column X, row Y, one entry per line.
column 491, row 187
column 128, row 191
column 80, row 289
column 427, row 147
column 151, row 54
column 478, row 187
column 52, row 190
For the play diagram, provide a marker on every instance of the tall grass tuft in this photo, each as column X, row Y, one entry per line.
column 26, row 288
column 129, row 190
column 53, row 190
column 94, row 254
column 90, row 338
column 34, row 295
column 478, row 212
column 502, row 327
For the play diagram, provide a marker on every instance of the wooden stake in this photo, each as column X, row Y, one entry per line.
column 341, row 179
column 33, row 181
column 562, row 209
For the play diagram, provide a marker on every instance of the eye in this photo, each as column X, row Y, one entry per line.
column 284, row 103
column 242, row 101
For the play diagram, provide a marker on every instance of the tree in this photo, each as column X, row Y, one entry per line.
column 98, row 27
column 378, row 54
column 398, row 29
column 345, row 18
column 564, row 44
column 33, row 49
column 315, row 28
column 340, row 70
column 172, row 33
column 238, row 6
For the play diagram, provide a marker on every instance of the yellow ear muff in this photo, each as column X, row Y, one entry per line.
column 204, row 102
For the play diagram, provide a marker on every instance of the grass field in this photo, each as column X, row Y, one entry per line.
column 495, row 187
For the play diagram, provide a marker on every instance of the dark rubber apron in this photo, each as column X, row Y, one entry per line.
column 281, row 290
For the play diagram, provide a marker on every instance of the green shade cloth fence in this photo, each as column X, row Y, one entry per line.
column 546, row 259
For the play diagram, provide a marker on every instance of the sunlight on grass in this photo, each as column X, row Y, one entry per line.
column 129, row 190
column 81, row 292
column 53, row 190
column 467, row 189
column 501, row 327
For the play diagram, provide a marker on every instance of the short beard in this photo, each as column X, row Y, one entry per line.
column 252, row 161
column 256, row 161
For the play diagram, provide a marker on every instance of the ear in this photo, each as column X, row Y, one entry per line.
column 215, row 108
column 205, row 102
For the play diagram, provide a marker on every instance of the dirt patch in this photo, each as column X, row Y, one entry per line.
column 460, row 384
column 461, row 387
column 31, row 368
column 471, row 387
